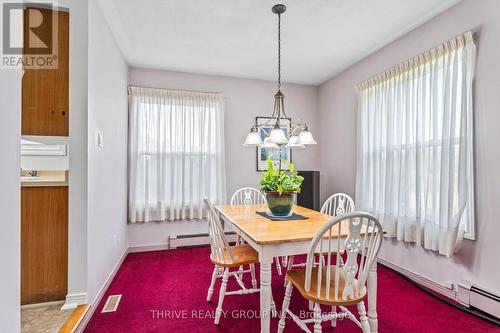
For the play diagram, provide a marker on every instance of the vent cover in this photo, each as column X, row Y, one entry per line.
column 111, row 303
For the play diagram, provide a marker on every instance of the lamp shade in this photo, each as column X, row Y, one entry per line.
column 293, row 143
column 253, row 139
column 306, row 138
column 268, row 144
column 278, row 136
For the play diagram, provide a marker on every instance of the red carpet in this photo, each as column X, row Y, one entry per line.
column 165, row 291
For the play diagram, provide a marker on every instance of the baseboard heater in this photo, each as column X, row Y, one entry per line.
column 178, row 241
column 475, row 297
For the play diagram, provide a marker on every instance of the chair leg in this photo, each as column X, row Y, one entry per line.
column 363, row 319
column 334, row 319
column 284, row 307
column 222, row 293
column 284, row 260
column 290, row 262
column 278, row 266
column 252, row 273
column 289, row 266
column 240, row 272
column 317, row 318
column 274, row 312
column 212, row 283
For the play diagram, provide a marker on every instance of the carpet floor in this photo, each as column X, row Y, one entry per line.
column 165, row 291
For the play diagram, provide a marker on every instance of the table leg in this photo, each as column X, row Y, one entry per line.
column 265, row 296
column 372, row 298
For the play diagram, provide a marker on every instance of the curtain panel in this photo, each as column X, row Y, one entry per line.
column 415, row 149
column 176, row 153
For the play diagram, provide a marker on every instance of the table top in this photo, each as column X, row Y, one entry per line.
column 264, row 231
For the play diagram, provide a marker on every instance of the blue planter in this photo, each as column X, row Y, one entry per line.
column 281, row 205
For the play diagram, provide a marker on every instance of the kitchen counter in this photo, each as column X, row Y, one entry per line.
column 46, row 179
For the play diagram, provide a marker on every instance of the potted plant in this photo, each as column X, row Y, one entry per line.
column 280, row 188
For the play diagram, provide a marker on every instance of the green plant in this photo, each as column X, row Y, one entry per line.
column 275, row 180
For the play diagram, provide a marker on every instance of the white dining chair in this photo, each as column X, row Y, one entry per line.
column 224, row 257
column 329, row 283
column 250, row 196
column 336, row 205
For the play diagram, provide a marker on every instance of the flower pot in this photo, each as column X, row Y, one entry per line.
column 281, row 205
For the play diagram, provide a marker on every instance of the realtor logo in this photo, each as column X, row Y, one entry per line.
column 29, row 35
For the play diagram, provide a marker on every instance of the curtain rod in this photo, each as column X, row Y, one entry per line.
column 178, row 90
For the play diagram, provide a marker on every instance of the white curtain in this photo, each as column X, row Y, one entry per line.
column 415, row 152
column 176, row 153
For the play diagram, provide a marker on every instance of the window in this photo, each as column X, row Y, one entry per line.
column 176, row 153
column 415, row 151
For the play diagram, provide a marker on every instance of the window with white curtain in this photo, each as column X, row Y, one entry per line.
column 415, row 148
column 176, row 153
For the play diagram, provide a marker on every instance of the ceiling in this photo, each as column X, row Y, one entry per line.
column 320, row 38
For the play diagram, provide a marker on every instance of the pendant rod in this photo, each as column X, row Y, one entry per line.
column 279, row 51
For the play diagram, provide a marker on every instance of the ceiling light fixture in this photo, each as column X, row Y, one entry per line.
column 298, row 136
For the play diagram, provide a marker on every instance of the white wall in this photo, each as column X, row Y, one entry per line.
column 10, row 129
column 477, row 260
column 107, row 166
column 10, row 134
column 77, row 147
column 244, row 99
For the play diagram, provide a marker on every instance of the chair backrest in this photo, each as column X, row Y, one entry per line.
column 218, row 242
column 247, row 196
column 364, row 237
column 338, row 204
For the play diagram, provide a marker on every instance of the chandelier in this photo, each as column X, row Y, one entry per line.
column 298, row 135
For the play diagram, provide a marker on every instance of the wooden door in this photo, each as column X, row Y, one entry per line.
column 45, row 92
column 44, row 244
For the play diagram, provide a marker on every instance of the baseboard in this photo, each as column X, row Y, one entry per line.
column 100, row 294
column 41, row 305
column 421, row 280
column 73, row 300
column 148, row 248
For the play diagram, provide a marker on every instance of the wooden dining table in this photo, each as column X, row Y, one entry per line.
column 285, row 238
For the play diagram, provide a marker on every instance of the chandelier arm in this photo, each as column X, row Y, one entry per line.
column 294, row 129
column 290, row 118
column 271, row 118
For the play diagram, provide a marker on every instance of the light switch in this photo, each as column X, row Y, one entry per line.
column 99, row 140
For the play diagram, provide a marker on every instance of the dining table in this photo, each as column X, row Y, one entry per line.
column 280, row 238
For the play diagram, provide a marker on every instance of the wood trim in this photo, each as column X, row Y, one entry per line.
column 74, row 320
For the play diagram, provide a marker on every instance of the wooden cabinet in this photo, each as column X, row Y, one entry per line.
column 44, row 243
column 45, row 92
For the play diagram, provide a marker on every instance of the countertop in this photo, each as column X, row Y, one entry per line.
column 59, row 178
